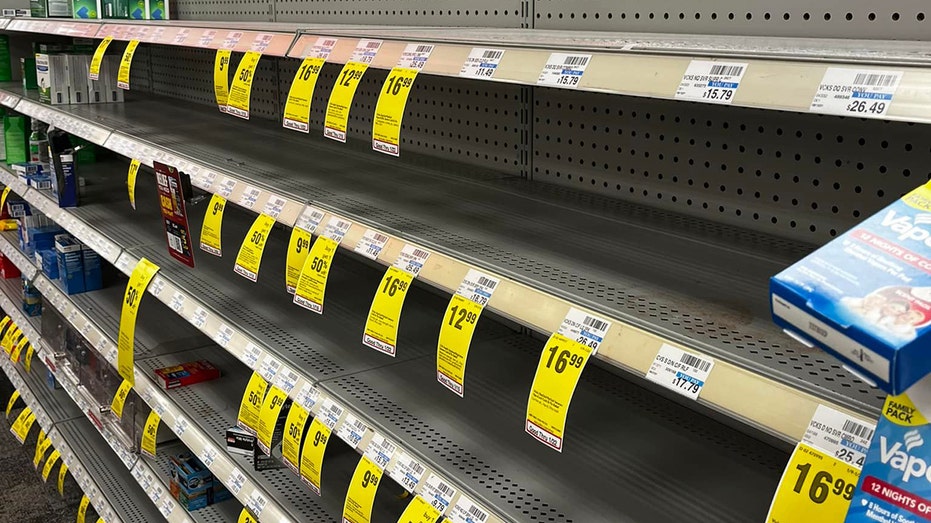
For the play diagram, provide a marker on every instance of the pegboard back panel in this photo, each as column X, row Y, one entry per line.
column 893, row 20
column 799, row 176
column 446, row 13
column 225, row 10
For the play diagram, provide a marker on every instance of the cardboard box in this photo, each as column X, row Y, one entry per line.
column 200, row 499
column 186, row 374
column 109, row 69
column 78, row 71
column 240, row 442
column 866, row 296
column 52, row 76
column 86, row 9
column 16, row 138
column 64, row 183
column 70, row 264
column 47, row 262
column 157, row 9
column 188, row 472
column 8, row 269
column 93, row 275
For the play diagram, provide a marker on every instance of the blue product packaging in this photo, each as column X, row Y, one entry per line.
column 895, row 483
column 866, row 296
column 65, row 183
column 70, row 264
column 50, row 380
column 93, row 276
column 47, row 260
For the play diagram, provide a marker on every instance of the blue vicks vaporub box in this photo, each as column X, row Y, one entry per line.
column 70, row 264
column 866, row 296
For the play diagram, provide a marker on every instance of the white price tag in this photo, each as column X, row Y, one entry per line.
column 711, row 82
column 584, row 328
column 232, row 38
column 286, row 379
column 564, row 70
column 181, row 36
column 207, row 180
column 260, row 44
column 680, row 371
column 167, row 506
column 478, row 287
column 438, row 493
column 467, row 511
column 177, row 301
column 257, row 503
column 330, row 413
column 224, row 335
column 307, row 397
column 200, row 317
column 365, row 51
column 336, row 228
column 380, row 450
column 407, row 471
column 481, row 63
column 181, row 426
column 352, row 430
column 321, row 48
column 860, row 93
column 236, row 481
column 206, row 38
column 156, row 493
column 842, row 436
column 158, row 285
column 415, row 56
column 249, row 197
column 226, row 187
column 251, row 355
column 274, row 206
column 208, row 455
column 309, row 219
column 269, row 368
column 371, row 244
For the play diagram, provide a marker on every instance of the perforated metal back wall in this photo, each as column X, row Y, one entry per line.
column 800, row 176
column 473, row 13
column 237, row 10
column 894, row 20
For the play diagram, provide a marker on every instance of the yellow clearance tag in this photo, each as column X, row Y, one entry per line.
column 298, row 248
column 11, row 334
column 381, row 326
column 246, row 517
column 98, row 58
column 318, row 435
column 561, row 364
column 82, row 508
column 419, row 511
column 814, row 487
column 149, row 434
column 213, row 226
column 14, row 342
column 6, row 192
column 5, row 324
column 268, row 417
column 131, row 181
column 61, row 478
column 221, row 78
column 41, row 448
column 122, row 78
column 9, row 405
column 241, row 90
column 30, row 351
column 25, row 427
column 361, row 495
column 311, row 285
column 337, row 109
column 18, row 422
column 251, row 406
column 297, row 108
column 253, row 245
column 386, row 126
column 293, row 435
column 119, row 399
column 455, row 338
column 50, row 464
column 18, row 349
column 138, row 281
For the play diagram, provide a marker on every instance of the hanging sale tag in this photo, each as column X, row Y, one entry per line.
column 361, row 495
column 459, row 321
column 62, row 473
column 221, row 78
column 213, row 226
column 814, row 487
column 389, row 110
column 24, row 428
column 82, row 508
column 9, row 404
column 246, row 517
column 122, row 79
column 253, row 245
column 241, row 90
column 318, row 435
column 337, row 110
column 131, row 181
column 297, row 108
column 293, row 436
column 274, row 401
column 381, row 325
column 17, row 425
column 149, row 433
column 251, row 406
column 41, row 448
column 18, row 349
column 97, row 59
column 50, row 464
column 138, row 281
column 311, row 285
column 299, row 245
column 119, row 399
column 29, row 353
column 419, row 511
column 6, row 192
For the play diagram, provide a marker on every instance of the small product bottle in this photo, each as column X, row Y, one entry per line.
column 38, row 142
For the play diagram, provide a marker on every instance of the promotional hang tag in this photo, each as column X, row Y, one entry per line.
column 213, row 226
column 336, row 120
column 221, row 78
column 122, row 79
column 138, row 282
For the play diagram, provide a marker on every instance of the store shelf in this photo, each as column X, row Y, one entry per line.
column 552, row 247
column 476, row 443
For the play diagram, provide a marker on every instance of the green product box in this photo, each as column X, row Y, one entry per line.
column 27, row 67
column 157, row 9
column 6, row 64
column 50, row 8
column 38, row 8
column 16, row 131
column 115, row 9
column 137, row 9
column 86, row 9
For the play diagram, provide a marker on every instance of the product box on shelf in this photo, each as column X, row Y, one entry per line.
column 8, row 269
column 27, row 69
column 50, row 8
column 50, row 380
column 238, row 441
column 866, row 296
column 157, row 9
column 53, row 78
column 64, row 179
column 86, row 9
column 47, row 261
column 70, row 264
column 93, row 275
column 16, row 138
column 193, row 484
column 109, row 68
column 32, row 299
column 186, row 374
column 273, row 460
column 78, row 72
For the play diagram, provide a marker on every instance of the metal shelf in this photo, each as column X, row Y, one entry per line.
column 478, row 442
column 548, row 245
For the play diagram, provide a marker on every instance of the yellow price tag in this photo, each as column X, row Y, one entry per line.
column 297, row 108
column 6, row 192
column 30, row 351
column 311, row 285
column 41, row 448
column 18, row 349
column 82, row 508
column 138, row 281
column 318, row 435
column 25, row 427
column 131, row 181
column 246, row 517
column 337, row 109
column 419, row 511
column 221, row 78
column 814, row 487
column 268, row 417
column 122, row 78
column 5, row 324
column 293, row 435
column 11, row 334
column 381, row 325
column 253, row 245
column 50, row 464
column 9, row 405
column 98, row 58
column 251, row 406
column 561, row 364
column 119, row 399
column 213, row 226
column 298, row 248
column 241, row 90
column 362, row 489
column 18, row 422
column 452, row 350
column 149, row 434
column 61, row 478
column 389, row 111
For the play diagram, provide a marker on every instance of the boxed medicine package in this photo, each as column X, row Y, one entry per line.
column 866, row 296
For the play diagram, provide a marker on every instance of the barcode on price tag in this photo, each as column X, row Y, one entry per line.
column 330, row 413
column 478, row 287
column 309, row 219
column 680, row 371
column 286, row 379
column 336, row 228
column 156, row 493
column 438, row 493
column 224, row 335
column 158, row 285
column 352, row 430
column 564, row 70
column 200, row 317
column 207, row 179
column 365, row 51
column 182, row 36
column 371, row 244
column 226, row 187
column 232, row 38
column 307, row 397
column 467, row 511
column 249, row 197
column 274, row 206
column 320, row 49
column 236, row 480
column 251, row 355
column 711, row 82
column 584, row 328
column 177, row 301
column 181, row 426
column 260, row 44
column 415, row 56
column 411, row 259
column 167, row 507
column 206, row 38
column 856, row 92
column 380, row 450
column 208, row 455
column 481, row 63
column 269, row 368
column 257, row 502
column 840, row 435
